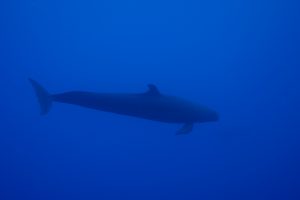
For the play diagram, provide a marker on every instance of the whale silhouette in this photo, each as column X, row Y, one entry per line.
column 151, row 105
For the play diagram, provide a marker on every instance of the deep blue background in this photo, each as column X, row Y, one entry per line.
column 238, row 57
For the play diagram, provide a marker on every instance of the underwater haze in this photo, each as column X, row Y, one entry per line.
column 240, row 58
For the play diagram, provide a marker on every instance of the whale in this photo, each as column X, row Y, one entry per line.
column 150, row 104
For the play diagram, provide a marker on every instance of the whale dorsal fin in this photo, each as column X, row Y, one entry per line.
column 152, row 90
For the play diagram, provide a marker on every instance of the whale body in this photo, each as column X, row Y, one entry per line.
column 151, row 105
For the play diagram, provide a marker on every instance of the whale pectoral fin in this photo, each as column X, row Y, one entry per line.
column 186, row 128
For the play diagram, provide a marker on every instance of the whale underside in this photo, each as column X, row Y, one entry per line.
column 151, row 105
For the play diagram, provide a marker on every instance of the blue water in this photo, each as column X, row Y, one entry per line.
column 240, row 58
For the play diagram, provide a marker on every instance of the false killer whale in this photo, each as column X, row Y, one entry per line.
column 152, row 105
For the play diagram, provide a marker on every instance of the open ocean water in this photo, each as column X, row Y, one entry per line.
column 240, row 58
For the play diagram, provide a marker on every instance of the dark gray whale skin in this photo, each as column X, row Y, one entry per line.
column 150, row 105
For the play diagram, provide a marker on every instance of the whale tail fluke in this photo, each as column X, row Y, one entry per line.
column 44, row 98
